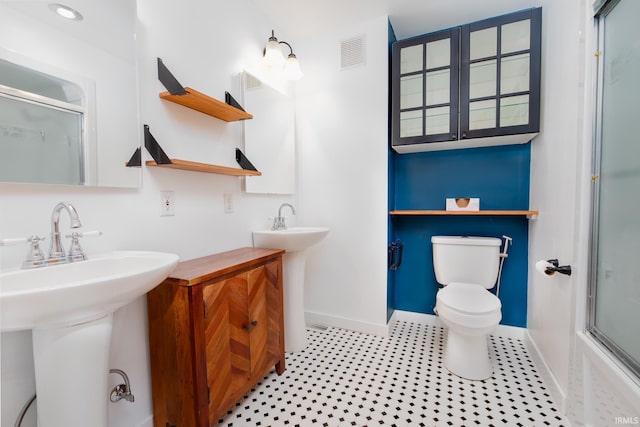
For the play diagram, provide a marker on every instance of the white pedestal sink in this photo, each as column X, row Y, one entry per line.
column 294, row 240
column 70, row 309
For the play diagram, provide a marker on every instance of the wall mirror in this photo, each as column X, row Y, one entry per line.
column 68, row 94
column 269, row 138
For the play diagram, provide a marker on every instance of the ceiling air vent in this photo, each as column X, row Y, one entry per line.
column 352, row 53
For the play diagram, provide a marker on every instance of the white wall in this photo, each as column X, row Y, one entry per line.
column 342, row 158
column 590, row 386
column 554, row 186
column 204, row 43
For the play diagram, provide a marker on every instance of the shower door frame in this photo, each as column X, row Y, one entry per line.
column 629, row 364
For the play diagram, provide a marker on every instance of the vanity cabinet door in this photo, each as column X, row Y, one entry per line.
column 425, row 89
column 243, row 333
column 500, row 76
column 222, row 378
column 266, row 338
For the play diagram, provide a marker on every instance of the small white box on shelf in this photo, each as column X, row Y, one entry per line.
column 463, row 204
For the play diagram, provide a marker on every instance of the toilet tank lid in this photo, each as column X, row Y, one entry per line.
column 466, row 240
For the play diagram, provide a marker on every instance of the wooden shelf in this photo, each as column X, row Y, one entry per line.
column 205, row 104
column 528, row 214
column 204, row 167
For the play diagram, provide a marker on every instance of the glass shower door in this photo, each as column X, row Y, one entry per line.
column 615, row 255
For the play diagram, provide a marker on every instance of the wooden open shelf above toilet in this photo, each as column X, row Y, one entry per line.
column 528, row 214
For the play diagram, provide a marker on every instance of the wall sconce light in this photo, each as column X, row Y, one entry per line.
column 272, row 57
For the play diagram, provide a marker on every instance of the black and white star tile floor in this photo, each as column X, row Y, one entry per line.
column 346, row 378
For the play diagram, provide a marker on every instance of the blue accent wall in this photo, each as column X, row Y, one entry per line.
column 499, row 176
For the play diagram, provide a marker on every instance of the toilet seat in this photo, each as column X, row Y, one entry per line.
column 468, row 298
column 469, row 306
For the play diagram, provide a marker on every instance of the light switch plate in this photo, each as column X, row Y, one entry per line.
column 228, row 203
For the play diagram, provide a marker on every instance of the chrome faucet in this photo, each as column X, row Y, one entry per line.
column 56, row 251
column 279, row 221
column 35, row 256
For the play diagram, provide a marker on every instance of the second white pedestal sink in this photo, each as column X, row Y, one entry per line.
column 70, row 309
column 294, row 240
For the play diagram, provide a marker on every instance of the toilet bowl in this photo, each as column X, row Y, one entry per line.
column 470, row 313
column 467, row 267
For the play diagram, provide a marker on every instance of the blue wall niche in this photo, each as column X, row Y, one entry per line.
column 499, row 176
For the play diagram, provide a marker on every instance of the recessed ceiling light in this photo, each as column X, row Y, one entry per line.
column 65, row 11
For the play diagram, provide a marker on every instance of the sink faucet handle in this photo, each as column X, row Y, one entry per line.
column 75, row 251
column 93, row 233
column 35, row 257
column 19, row 240
column 13, row 241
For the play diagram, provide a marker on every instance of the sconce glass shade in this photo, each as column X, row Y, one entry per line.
column 272, row 57
column 273, row 53
column 292, row 69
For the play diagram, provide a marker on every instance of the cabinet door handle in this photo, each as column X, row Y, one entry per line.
column 251, row 325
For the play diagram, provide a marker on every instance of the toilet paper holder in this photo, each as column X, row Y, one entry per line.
column 395, row 255
column 557, row 268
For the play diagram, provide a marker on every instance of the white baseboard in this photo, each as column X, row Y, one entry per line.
column 559, row 396
column 325, row 320
column 421, row 318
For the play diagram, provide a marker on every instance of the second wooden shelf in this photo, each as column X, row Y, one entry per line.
column 204, row 167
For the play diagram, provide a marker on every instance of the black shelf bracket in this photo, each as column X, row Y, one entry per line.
column 175, row 88
column 243, row 161
column 154, row 148
column 230, row 100
column 169, row 81
column 136, row 159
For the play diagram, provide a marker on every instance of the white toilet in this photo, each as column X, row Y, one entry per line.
column 467, row 267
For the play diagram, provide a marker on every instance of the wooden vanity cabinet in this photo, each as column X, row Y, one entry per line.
column 216, row 327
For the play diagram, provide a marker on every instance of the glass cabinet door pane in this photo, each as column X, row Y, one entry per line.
column 482, row 114
column 514, row 110
column 410, row 123
column 439, row 53
column 516, row 36
column 437, row 90
column 514, row 74
column 411, row 91
column 483, row 43
column 411, row 59
column 437, row 121
column 482, row 79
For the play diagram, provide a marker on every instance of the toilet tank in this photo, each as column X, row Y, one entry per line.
column 466, row 259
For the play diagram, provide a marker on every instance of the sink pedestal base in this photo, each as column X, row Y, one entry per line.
column 295, row 332
column 71, row 367
column 295, row 241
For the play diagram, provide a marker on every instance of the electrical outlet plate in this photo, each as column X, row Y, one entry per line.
column 167, row 203
column 228, row 203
